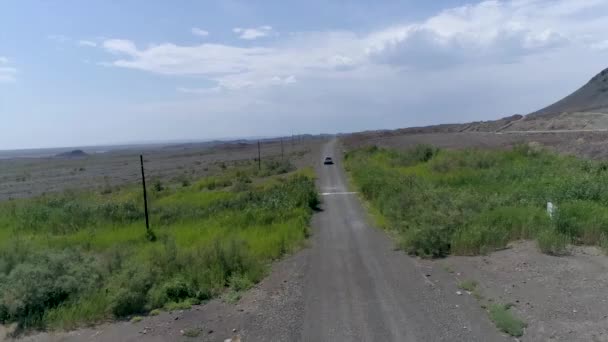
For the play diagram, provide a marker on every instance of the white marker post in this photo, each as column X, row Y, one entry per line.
column 550, row 209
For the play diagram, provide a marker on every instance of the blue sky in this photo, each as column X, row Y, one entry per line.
column 102, row 72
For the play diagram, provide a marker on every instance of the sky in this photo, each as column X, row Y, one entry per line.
column 78, row 73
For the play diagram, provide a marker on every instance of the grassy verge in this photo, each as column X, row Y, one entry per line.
column 472, row 202
column 83, row 257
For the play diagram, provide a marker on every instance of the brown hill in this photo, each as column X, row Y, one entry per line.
column 592, row 97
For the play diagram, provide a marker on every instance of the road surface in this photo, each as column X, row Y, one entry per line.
column 358, row 288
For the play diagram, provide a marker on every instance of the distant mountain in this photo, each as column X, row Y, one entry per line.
column 72, row 154
column 584, row 110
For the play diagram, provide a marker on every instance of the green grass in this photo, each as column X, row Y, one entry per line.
column 471, row 202
column 192, row 332
column 553, row 243
column 468, row 285
column 83, row 257
column 505, row 320
column 136, row 319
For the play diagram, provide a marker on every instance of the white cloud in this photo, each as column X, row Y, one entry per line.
column 120, row 46
column 199, row 32
column 87, row 43
column 601, row 45
column 473, row 62
column 488, row 32
column 253, row 33
column 7, row 73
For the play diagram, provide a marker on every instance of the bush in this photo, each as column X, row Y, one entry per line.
column 157, row 185
column 207, row 241
column 552, row 242
column 130, row 290
column 174, row 290
column 506, row 321
column 276, row 167
column 476, row 201
column 239, row 282
column 426, row 241
column 582, row 221
column 42, row 282
column 494, row 229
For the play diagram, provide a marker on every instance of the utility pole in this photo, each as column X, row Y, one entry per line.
column 282, row 151
column 143, row 182
column 259, row 157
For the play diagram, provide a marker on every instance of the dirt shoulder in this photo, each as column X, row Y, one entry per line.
column 560, row 298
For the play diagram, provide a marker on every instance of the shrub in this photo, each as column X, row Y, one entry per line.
column 174, row 290
column 206, row 241
column 130, row 288
column 276, row 167
column 239, row 282
column 42, row 282
column 583, row 221
column 157, row 185
column 468, row 285
column 552, row 242
column 476, row 201
column 494, row 229
column 427, row 241
column 506, row 321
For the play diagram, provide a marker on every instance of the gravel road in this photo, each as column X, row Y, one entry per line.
column 358, row 288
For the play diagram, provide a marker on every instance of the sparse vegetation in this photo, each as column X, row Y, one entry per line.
column 468, row 285
column 552, row 242
column 500, row 314
column 192, row 332
column 83, row 257
column 505, row 320
column 136, row 319
column 471, row 202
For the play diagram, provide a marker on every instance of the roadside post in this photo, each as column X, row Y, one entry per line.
column 143, row 182
column 259, row 157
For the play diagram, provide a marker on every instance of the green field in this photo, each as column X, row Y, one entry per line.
column 83, row 257
column 471, row 202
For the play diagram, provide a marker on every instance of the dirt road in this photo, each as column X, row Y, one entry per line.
column 358, row 288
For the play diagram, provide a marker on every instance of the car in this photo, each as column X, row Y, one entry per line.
column 328, row 161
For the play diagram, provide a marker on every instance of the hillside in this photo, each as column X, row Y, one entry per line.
column 585, row 109
column 592, row 97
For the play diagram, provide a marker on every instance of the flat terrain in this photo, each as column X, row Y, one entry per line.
column 27, row 177
column 593, row 145
column 561, row 298
column 351, row 284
